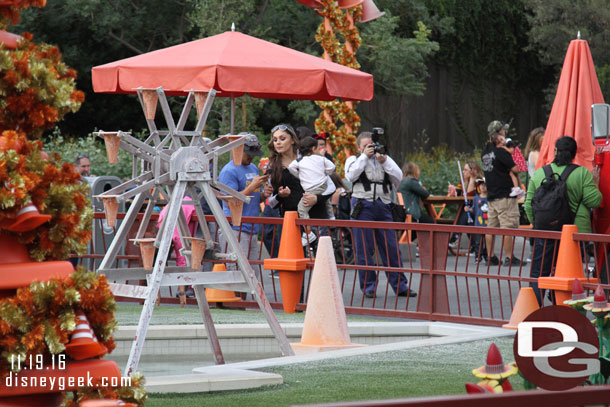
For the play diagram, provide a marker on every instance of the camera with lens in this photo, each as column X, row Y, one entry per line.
column 379, row 148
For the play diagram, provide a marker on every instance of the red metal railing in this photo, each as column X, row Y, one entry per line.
column 451, row 285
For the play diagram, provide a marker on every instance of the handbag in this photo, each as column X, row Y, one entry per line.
column 399, row 214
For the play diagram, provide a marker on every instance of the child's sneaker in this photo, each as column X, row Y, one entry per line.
column 516, row 191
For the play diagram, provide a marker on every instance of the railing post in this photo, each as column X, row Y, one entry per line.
column 433, row 296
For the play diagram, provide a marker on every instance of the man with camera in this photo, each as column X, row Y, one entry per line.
column 373, row 174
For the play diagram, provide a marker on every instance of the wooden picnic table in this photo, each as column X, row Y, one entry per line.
column 432, row 204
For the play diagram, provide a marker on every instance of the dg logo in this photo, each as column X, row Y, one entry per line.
column 556, row 348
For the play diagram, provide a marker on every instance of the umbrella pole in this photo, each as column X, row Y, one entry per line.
column 232, row 114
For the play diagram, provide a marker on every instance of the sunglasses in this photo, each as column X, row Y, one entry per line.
column 284, row 127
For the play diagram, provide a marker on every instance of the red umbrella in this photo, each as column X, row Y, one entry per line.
column 570, row 116
column 233, row 63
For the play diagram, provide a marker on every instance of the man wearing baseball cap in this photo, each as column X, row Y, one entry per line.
column 245, row 178
column 503, row 209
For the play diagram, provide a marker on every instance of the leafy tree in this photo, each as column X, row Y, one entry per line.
column 555, row 23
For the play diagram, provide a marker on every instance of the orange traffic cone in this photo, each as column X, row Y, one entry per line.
column 84, row 344
column 405, row 238
column 217, row 295
column 28, row 218
column 325, row 325
column 112, row 143
column 290, row 262
column 105, row 403
column 526, row 304
column 569, row 266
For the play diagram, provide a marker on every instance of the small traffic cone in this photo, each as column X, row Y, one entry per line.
column 217, row 295
column 111, row 208
column 83, row 343
column 526, row 304
column 568, row 267
column 325, row 326
column 28, row 218
column 150, row 99
column 112, row 143
column 290, row 262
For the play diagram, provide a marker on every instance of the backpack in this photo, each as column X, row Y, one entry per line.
column 550, row 205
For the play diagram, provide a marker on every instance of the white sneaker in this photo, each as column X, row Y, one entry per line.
column 308, row 238
column 516, row 191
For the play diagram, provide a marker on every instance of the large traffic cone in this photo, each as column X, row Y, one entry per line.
column 568, row 267
column 83, row 343
column 526, row 304
column 217, row 295
column 325, row 325
column 290, row 262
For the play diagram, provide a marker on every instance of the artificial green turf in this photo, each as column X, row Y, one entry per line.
column 429, row 371
column 129, row 314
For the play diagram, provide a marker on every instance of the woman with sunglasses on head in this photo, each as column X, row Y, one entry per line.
column 287, row 190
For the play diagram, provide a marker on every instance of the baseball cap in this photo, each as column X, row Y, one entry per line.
column 251, row 146
column 497, row 125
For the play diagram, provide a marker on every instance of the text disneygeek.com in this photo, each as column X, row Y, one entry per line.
column 61, row 383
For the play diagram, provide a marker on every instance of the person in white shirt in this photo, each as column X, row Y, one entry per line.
column 372, row 175
column 313, row 170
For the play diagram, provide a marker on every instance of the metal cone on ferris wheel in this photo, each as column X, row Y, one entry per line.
column 149, row 100
column 112, row 143
column 111, row 208
column 200, row 102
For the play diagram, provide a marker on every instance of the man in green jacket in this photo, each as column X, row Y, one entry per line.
column 583, row 194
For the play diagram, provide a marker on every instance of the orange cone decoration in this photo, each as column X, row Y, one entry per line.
column 200, row 98
column 150, row 99
column 84, row 344
column 28, row 218
column 216, row 295
column 236, row 207
column 111, row 208
column 290, row 262
column 325, row 326
column 569, row 267
column 237, row 152
column 198, row 247
column 525, row 305
column 105, row 403
column 370, row 11
column 113, row 143
column 147, row 252
column 405, row 238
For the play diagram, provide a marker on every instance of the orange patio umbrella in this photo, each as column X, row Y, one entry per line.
column 570, row 116
column 233, row 64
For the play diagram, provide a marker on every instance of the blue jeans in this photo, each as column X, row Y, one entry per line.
column 387, row 245
column 540, row 269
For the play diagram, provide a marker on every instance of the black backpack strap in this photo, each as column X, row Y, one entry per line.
column 548, row 171
column 567, row 171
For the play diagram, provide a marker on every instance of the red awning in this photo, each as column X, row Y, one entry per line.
column 233, row 64
column 570, row 116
